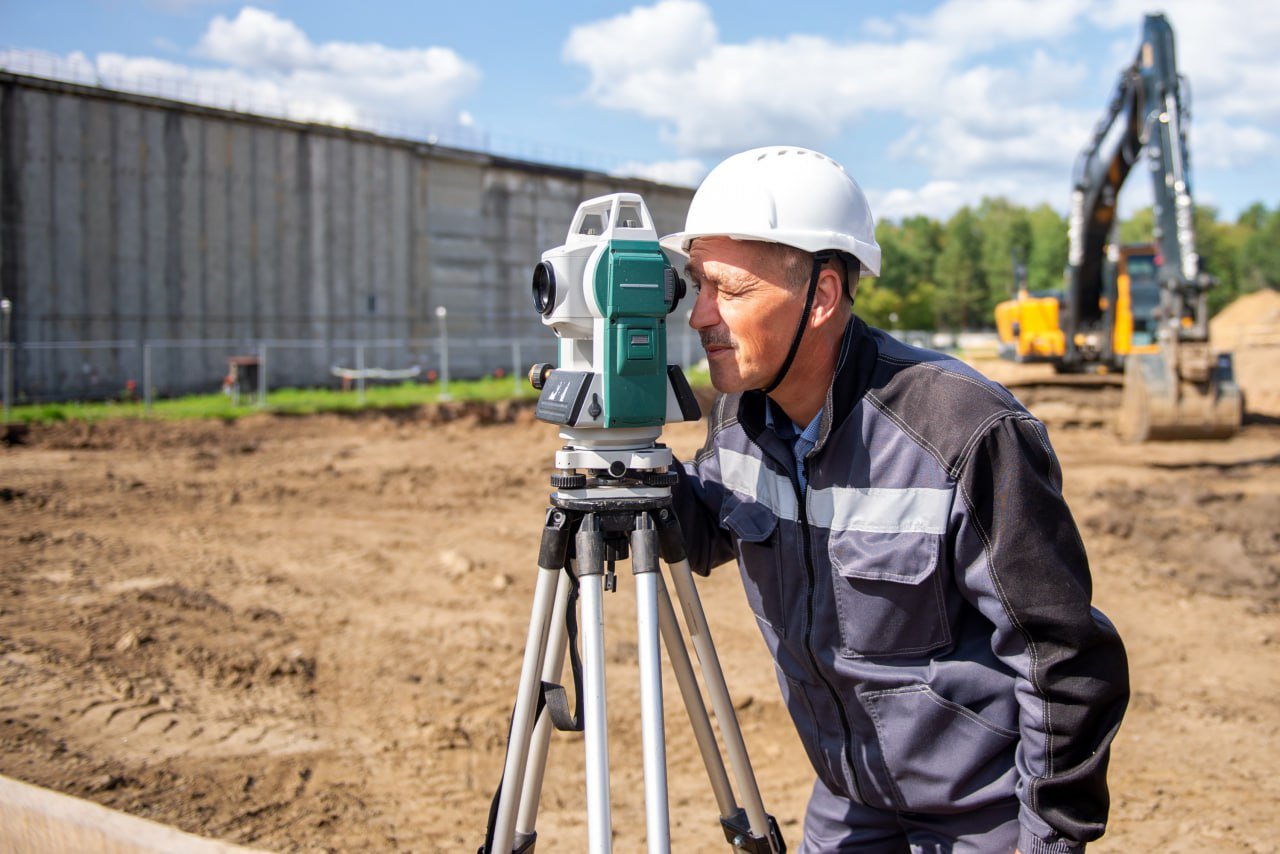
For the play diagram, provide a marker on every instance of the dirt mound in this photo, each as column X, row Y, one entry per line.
column 1250, row 327
column 244, row 434
column 1232, row 531
column 1256, row 312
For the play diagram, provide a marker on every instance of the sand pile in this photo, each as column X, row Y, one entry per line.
column 1250, row 327
column 1252, row 316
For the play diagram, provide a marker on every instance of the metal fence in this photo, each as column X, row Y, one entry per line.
column 104, row 363
column 160, row 367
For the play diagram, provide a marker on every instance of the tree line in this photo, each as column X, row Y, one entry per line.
column 950, row 275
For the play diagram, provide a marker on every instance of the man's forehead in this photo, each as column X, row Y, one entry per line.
column 738, row 253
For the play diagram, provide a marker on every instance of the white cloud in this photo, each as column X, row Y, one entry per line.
column 264, row 63
column 942, row 198
column 988, row 90
column 938, row 199
column 1216, row 144
column 257, row 39
column 686, row 172
column 879, row 28
column 714, row 97
column 672, row 34
column 710, row 97
column 1227, row 50
column 979, row 25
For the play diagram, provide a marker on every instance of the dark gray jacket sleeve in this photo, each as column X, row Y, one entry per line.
column 1020, row 561
column 697, row 498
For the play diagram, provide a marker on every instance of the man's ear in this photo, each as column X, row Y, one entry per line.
column 827, row 297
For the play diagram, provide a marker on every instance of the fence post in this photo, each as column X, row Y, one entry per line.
column 6, row 311
column 360, row 373
column 441, row 314
column 146, row 376
column 262, row 373
column 516, row 371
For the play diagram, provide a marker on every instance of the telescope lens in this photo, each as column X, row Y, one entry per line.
column 544, row 288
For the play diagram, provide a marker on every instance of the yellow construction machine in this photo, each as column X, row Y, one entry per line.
column 1140, row 309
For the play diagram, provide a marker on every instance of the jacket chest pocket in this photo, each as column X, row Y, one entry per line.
column 755, row 529
column 888, row 592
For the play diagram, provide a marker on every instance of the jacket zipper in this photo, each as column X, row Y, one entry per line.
column 808, row 640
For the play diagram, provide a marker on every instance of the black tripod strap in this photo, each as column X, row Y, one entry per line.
column 553, row 695
column 554, row 699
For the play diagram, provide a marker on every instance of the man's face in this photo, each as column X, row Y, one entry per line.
column 745, row 312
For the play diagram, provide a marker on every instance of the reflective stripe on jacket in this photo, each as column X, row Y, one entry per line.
column 926, row 598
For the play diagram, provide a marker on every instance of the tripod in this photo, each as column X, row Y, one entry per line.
column 622, row 500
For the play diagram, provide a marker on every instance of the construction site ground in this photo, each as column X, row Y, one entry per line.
column 303, row 634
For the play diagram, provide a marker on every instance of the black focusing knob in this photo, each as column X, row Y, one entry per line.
column 673, row 288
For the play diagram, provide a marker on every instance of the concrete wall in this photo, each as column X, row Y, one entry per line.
column 39, row 821
column 128, row 218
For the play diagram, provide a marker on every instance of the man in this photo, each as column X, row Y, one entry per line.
column 902, row 537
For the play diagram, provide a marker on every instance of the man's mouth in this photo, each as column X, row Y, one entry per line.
column 716, row 345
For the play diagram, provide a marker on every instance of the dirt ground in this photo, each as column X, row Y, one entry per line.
column 303, row 634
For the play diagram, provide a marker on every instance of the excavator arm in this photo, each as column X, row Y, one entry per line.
column 1183, row 389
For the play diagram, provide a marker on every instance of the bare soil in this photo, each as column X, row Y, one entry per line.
column 303, row 634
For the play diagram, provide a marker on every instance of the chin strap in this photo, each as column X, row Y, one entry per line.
column 819, row 259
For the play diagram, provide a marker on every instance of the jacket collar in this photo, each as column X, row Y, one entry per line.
column 852, row 377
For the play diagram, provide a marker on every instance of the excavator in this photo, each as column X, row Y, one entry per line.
column 1140, row 309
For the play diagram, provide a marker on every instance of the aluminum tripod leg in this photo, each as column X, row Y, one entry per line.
column 648, row 577
column 590, row 543
column 526, row 705
column 700, row 633
column 699, row 720
column 553, row 665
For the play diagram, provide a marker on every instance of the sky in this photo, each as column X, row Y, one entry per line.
column 929, row 105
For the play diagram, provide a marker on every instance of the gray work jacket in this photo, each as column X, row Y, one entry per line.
column 926, row 597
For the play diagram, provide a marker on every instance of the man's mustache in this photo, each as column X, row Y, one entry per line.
column 714, row 339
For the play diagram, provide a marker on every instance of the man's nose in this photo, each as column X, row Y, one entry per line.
column 705, row 314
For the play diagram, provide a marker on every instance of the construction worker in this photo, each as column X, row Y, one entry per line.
column 899, row 524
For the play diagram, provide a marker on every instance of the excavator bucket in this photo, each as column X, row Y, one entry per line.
column 1183, row 394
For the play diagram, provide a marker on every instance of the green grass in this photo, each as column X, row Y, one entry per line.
column 288, row 401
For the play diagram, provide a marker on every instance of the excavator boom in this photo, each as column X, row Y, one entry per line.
column 1175, row 387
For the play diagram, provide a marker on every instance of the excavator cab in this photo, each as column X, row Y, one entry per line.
column 1137, row 302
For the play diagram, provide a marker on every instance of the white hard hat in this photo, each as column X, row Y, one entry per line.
column 783, row 194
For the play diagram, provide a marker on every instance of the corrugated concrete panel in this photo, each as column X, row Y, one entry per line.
column 186, row 145
column 320, row 246
column 400, row 178
column 282, row 290
column 150, row 182
column 69, row 313
column 420, row 250
column 30, row 202
column 127, row 217
column 242, row 173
